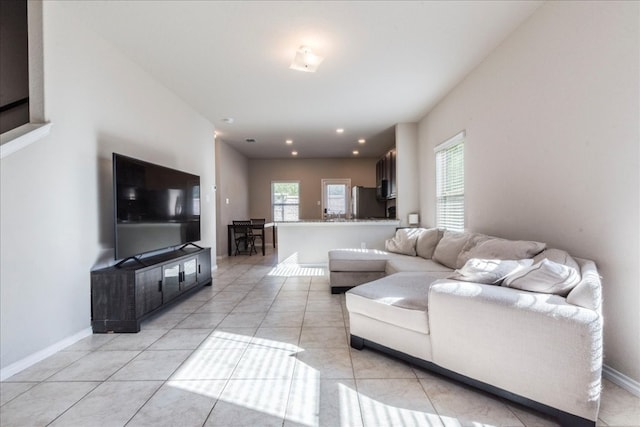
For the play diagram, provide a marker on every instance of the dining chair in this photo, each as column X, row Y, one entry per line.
column 258, row 232
column 243, row 235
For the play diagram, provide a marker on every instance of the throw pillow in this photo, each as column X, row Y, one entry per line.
column 404, row 241
column 450, row 246
column 427, row 242
column 559, row 256
column 489, row 271
column 546, row 277
column 496, row 248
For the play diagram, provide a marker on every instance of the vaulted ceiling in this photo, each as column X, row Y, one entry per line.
column 386, row 62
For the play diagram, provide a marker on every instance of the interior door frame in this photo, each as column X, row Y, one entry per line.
column 336, row 181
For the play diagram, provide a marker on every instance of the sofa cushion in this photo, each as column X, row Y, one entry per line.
column 400, row 263
column 450, row 246
column 427, row 241
column 357, row 260
column 487, row 247
column 546, row 277
column 559, row 256
column 399, row 299
column 489, row 271
column 404, row 242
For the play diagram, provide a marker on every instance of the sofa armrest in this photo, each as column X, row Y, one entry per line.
column 534, row 345
column 587, row 293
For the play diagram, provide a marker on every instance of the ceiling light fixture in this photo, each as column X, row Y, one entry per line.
column 306, row 60
column 289, row 141
column 294, row 153
column 355, row 152
column 339, row 130
column 362, row 141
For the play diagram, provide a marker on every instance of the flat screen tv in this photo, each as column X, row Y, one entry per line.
column 155, row 207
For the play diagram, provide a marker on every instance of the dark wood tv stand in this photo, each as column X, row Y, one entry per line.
column 122, row 296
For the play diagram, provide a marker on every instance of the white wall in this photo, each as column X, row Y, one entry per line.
column 310, row 173
column 55, row 210
column 408, row 184
column 552, row 149
column 232, row 182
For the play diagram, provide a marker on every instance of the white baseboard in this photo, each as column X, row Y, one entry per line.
column 38, row 356
column 620, row 379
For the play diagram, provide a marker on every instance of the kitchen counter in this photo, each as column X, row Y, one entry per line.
column 368, row 221
column 309, row 241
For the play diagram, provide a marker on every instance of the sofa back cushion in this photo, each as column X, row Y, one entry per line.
column 404, row 242
column 427, row 241
column 489, row 271
column 450, row 246
column 487, row 247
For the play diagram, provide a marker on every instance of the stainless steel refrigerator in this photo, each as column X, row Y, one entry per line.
column 364, row 203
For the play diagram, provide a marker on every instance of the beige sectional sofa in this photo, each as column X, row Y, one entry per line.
column 511, row 317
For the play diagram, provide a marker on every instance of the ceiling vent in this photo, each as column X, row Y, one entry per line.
column 250, row 140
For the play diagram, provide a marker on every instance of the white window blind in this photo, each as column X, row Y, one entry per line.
column 450, row 183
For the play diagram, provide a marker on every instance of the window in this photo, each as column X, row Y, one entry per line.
column 336, row 197
column 285, row 200
column 14, row 74
column 450, row 183
column 22, row 115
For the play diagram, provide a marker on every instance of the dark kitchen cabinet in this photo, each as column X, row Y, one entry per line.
column 386, row 183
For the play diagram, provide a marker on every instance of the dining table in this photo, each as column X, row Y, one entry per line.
column 255, row 226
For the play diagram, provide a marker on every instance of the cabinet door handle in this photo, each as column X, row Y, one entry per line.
column 199, row 272
column 159, row 285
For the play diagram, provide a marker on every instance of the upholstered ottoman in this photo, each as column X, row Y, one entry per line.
column 352, row 267
column 398, row 318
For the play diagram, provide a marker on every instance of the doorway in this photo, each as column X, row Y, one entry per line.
column 336, row 198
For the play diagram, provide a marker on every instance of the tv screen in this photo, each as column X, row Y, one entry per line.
column 155, row 207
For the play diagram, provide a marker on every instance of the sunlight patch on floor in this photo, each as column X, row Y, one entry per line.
column 349, row 406
column 266, row 396
column 260, row 376
column 290, row 268
column 265, row 376
column 304, row 399
column 374, row 411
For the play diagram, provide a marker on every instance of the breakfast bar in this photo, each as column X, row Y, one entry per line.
column 308, row 242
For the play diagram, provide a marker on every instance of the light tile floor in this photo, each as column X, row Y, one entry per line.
column 265, row 345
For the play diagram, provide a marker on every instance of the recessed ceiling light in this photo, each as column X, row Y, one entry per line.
column 289, row 141
column 306, row 60
column 339, row 130
column 355, row 152
column 294, row 153
column 362, row 141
